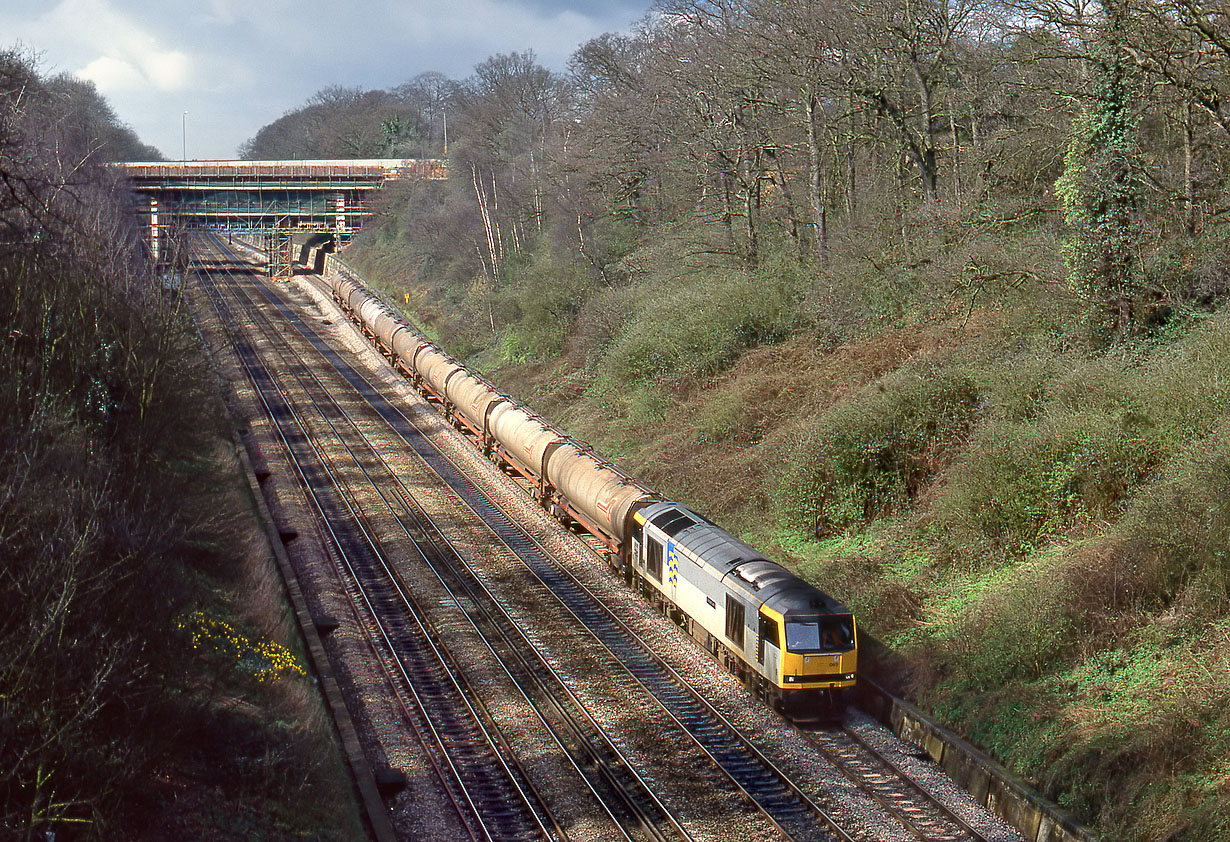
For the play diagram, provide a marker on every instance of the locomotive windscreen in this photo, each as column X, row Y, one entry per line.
column 827, row 634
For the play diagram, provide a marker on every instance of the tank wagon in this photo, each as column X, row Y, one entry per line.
column 790, row 643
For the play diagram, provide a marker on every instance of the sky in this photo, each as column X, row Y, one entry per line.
column 236, row 65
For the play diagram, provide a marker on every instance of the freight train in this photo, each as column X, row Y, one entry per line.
column 793, row 645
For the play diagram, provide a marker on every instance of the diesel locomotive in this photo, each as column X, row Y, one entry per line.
column 794, row 646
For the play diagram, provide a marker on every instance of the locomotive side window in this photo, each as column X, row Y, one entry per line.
column 768, row 634
column 734, row 621
column 653, row 558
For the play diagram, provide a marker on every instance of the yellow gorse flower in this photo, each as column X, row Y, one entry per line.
column 264, row 660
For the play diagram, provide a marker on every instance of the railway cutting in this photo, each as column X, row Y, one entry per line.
column 509, row 681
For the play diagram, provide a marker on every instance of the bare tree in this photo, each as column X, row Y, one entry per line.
column 900, row 56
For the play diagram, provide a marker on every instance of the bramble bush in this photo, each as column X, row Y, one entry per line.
column 1024, row 482
column 874, row 452
column 694, row 325
column 535, row 306
column 1069, row 441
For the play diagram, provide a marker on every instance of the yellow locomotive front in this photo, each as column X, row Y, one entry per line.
column 816, row 657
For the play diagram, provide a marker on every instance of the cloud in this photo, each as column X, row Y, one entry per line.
column 168, row 70
column 111, row 74
column 115, row 50
column 237, row 65
column 163, row 71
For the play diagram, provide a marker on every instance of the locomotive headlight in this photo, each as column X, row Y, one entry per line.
column 848, row 677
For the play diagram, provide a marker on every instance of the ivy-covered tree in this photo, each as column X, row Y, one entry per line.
column 1100, row 188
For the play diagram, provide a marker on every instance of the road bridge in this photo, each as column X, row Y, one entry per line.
column 273, row 199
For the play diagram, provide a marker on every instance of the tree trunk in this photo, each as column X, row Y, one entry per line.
column 727, row 212
column 814, row 195
column 1189, row 184
column 749, row 174
column 481, row 195
column 851, row 203
column 792, row 213
column 924, row 162
column 925, row 154
column 956, row 151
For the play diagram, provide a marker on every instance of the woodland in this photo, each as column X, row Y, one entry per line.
column 143, row 695
column 925, row 299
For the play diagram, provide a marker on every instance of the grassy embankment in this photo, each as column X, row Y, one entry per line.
column 924, row 428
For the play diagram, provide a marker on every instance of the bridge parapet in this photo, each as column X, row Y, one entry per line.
column 300, row 172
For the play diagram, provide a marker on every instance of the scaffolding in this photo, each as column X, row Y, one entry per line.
column 276, row 199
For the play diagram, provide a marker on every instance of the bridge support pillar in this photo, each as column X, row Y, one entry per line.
column 280, row 252
column 155, row 244
column 339, row 203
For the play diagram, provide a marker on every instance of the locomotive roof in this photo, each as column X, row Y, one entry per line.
column 738, row 563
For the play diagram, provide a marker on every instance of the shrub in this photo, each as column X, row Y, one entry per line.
column 533, row 310
column 1067, row 440
column 696, row 326
column 1025, row 481
column 601, row 320
column 874, row 452
column 1184, row 519
column 109, row 422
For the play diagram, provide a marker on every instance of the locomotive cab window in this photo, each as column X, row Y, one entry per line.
column 819, row 634
column 653, row 558
column 734, row 621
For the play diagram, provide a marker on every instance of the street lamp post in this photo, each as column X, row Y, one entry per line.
column 185, row 121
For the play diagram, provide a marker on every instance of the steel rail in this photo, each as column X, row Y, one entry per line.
column 484, row 635
column 508, row 629
column 888, row 793
column 374, row 612
column 333, row 544
column 518, row 647
column 430, row 636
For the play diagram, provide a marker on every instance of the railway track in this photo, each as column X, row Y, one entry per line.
column 626, row 794
column 796, row 814
column 490, row 794
column 924, row 816
column 574, row 730
column 637, row 805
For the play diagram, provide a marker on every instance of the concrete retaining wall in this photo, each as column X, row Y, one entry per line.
column 999, row 790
